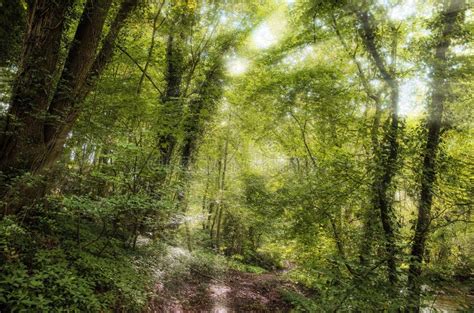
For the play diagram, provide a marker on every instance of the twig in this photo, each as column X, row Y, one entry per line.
column 141, row 69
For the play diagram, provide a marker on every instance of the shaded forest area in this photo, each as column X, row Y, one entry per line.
column 236, row 156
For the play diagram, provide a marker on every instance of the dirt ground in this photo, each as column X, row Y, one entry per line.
column 234, row 292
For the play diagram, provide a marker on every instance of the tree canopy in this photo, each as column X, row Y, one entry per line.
column 153, row 150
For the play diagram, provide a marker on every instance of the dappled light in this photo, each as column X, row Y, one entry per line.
column 237, row 66
column 236, row 156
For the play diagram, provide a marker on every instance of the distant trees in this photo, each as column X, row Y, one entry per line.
column 361, row 166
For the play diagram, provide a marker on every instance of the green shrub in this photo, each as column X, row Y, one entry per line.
column 45, row 268
column 51, row 286
column 236, row 262
column 299, row 302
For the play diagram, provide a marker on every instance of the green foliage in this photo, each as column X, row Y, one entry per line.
column 276, row 168
column 50, row 286
column 300, row 303
column 46, row 271
column 239, row 263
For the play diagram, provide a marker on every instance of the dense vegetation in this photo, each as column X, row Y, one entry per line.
column 145, row 145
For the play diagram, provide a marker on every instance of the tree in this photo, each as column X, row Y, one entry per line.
column 41, row 115
column 387, row 152
column 440, row 88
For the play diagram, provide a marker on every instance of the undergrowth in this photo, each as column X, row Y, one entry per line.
column 49, row 264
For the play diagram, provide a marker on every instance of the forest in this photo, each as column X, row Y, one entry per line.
column 236, row 156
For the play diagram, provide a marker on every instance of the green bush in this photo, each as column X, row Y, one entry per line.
column 52, row 285
column 262, row 259
column 49, row 271
column 237, row 263
column 299, row 302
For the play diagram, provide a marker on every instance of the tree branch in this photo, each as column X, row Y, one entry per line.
column 141, row 69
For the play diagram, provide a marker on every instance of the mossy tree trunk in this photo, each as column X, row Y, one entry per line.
column 41, row 115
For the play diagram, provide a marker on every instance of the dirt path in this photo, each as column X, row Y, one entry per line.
column 220, row 295
column 234, row 292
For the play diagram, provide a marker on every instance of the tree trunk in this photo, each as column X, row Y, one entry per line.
column 22, row 140
column 63, row 110
column 387, row 158
column 221, row 191
column 172, row 107
column 368, row 218
column 440, row 86
column 205, row 205
column 202, row 108
column 37, row 127
column 200, row 112
column 214, row 218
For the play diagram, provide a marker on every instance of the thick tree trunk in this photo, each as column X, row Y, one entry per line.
column 22, row 140
column 38, row 120
column 63, row 110
column 440, row 86
column 201, row 111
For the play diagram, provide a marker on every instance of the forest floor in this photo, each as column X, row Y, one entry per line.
column 189, row 282
column 234, row 292
column 228, row 291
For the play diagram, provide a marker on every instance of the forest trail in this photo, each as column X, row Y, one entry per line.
column 202, row 288
column 245, row 292
column 233, row 291
column 237, row 292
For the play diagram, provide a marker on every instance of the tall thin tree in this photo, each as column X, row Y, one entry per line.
column 439, row 91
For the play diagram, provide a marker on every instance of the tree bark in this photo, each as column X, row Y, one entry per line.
column 38, row 120
column 221, row 205
column 63, row 110
column 439, row 87
column 22, row 140
column 201, row 111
